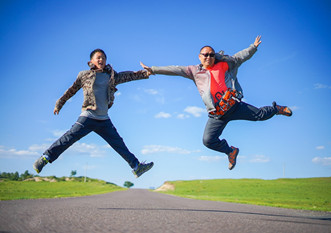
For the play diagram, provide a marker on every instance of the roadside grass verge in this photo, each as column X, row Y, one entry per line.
column 73, row 187
column 306, row 193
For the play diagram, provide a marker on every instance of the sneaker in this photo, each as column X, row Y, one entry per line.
column 233, row 157
column 282, row 110
column 39, row 164
column 142, row 168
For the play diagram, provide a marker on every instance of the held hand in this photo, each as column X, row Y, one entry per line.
column 257, row 41
column 149, row 70
column 56, row 111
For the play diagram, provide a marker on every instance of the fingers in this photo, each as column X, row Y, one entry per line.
column 257, row 41
column 143, row 65
column 56, row 111
column 258, row 38
column 149, row 70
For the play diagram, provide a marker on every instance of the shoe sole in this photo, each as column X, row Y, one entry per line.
column 136, row 175
column 36, row 169
column 235, row 159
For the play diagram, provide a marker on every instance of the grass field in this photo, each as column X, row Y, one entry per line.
column 308, row 193
column 10, row 190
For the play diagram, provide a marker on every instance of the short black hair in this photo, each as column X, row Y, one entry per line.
column 207, row 46
column 97, row 50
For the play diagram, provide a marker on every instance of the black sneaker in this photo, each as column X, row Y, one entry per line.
column 39, row 164
column 142, row 168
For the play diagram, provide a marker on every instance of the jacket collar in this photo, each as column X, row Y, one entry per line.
column 108, row 69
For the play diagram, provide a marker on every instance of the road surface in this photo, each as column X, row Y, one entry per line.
column 138, row 210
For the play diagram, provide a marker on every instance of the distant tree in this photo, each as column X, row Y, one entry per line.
column 73, row 173
column 15, row 176
column 26, row 175
column 128, row 184
column 6, row 175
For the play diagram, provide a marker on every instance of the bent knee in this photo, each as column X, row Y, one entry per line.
column 208, row 141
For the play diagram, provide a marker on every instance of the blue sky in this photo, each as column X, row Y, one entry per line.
column 44, row 44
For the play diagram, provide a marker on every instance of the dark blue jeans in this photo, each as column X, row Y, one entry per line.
column 240, row 111
column 84, row 126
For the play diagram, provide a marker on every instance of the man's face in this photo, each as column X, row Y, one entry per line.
column 99, row 60
column 207, row 57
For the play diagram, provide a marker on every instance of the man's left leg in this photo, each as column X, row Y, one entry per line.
column 213, row 131
column 249, row 112
column 109, row 133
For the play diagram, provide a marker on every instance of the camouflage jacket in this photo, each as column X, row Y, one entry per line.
column 85, row 80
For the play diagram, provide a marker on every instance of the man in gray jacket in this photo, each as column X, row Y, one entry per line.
column 216, row 80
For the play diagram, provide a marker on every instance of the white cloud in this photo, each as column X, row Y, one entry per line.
column 321, row 86
column 151, row 91
column 259, row 159
column 192, row 110
column 182, row 116
column 195, row 111
column 212, row 158
column 136, row 98
column 90, row 149
column 152, row 149
column 58, row 133
column 159, row 96
column 14, row 153
column 294, row 108
column 160, row 100
column 326, row 161
column 37, row 150
column 320, row 147
column 118, row 93
column 163, row 115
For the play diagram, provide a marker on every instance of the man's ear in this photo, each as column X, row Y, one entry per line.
column 91, row 65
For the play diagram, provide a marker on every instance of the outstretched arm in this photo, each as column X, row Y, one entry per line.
column 169, row 70
column 128, row 76
column 246, row 54
column 68, row 94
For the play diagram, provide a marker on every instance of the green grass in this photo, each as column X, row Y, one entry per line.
column 11, row 190
column 307, row 193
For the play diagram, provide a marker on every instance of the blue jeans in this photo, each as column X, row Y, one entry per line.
column 84, row 126
column 240, row 111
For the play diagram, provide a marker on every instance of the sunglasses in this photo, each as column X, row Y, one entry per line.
column 208, row 54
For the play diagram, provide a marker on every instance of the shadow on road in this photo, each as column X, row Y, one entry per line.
column 327, row 218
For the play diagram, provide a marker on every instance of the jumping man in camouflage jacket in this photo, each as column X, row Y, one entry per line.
column 99, row 86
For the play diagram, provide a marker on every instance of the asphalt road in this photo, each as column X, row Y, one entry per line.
column 138, row 210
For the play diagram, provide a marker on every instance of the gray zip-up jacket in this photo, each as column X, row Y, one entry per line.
column 201, row 76
column 86, row 79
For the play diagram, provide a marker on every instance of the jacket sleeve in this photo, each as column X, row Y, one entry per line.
column 183, row 71
column 236, row 60
column 69, row 93
column 244, row 55
column 127, row 76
